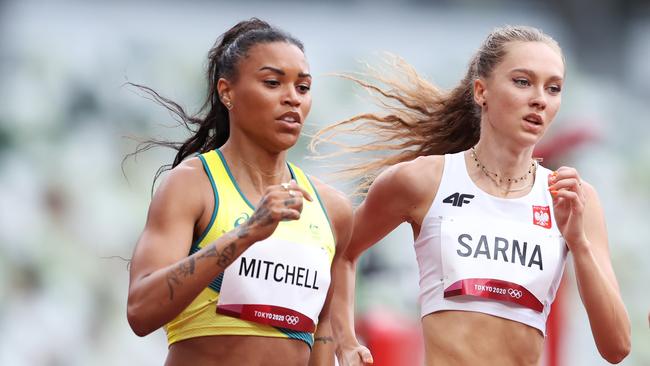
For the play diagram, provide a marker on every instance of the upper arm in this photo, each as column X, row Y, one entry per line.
column 402, row 193
column 596, row 231
column 174, row 210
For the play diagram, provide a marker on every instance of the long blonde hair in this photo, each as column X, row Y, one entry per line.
column 419, row 118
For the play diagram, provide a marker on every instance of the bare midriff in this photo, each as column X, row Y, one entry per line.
column 469, row 338
column 238, row 350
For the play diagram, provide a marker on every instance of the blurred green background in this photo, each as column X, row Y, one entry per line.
column 69, row 217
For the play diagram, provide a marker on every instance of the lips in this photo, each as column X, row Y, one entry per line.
column 534, row 118
column 290, row 117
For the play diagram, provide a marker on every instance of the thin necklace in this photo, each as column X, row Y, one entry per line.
column 498, row 181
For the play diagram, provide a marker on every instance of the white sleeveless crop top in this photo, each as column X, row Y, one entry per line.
column 477, row 252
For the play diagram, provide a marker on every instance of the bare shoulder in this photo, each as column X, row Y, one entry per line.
column 421, row 169
column 414, row 178
column 183, row 189
column 190, row 170
column 406, row 189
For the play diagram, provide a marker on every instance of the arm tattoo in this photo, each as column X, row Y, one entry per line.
column 183, row 269
column 242, row 231
column 261, row 215
column 210, row 252
column 172, row 280
column 186, row 267
column 226, row 256
column 324, row 339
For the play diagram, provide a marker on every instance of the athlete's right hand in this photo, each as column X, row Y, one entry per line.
column 356, row 355
column 281, row 202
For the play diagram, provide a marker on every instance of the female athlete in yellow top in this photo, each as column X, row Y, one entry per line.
column 234, row 260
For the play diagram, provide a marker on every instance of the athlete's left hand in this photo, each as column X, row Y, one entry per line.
column 569, row 201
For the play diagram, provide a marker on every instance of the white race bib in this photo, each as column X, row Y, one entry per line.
column 277, row 282
column 503, row 261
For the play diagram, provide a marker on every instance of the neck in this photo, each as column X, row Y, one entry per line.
column 254, row 168
column 505, row 160
column 503, row 172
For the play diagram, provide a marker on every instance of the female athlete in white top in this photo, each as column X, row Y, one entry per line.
column 473, row 266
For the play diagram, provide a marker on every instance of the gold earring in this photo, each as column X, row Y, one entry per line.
column 225, row 101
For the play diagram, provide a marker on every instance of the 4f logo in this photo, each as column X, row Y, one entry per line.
column 457, row 199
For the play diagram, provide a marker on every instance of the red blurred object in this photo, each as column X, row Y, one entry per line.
column 557, row 147
column 554, row 151
column 393, row 339
column 555, row 328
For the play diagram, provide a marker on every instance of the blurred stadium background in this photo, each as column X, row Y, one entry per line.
column 69, row 217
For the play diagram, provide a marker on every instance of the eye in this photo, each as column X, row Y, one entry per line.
column 555, row 89
column 304, row 88
column 272, row 83
column 521, row 82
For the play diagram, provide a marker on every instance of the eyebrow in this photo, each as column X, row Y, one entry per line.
column 281, row 72
column 532, row 73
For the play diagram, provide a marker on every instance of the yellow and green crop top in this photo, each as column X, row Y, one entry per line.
column 230, row 210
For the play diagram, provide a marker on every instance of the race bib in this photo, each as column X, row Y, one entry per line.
column 277, row 282
column 503, row 261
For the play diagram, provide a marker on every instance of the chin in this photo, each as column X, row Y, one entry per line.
column 528, row 140
column 289, row 138
column 285, row 144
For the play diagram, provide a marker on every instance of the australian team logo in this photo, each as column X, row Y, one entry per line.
column 241, row 219
column 542, row 216
column 315, row 231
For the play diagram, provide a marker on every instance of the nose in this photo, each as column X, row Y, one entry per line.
column 538, row 99
column 291, row 97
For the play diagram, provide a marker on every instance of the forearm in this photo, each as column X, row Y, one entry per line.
column 342, row 313
column 157, row 298
column 608, row 317
column 322, row 353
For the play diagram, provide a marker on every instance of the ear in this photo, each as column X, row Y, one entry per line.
column 224, row 90
column 480, row 92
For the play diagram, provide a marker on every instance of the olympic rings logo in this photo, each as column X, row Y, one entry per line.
column 291, row 319
column 515, row 293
